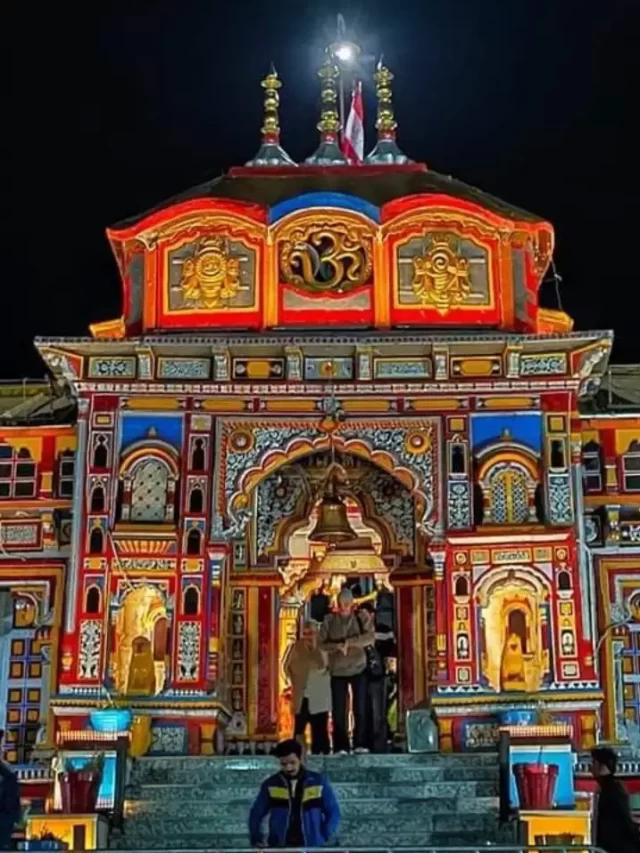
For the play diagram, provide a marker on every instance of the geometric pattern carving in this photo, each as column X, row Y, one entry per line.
column 459, row 505
column 559, row 499
column 149, row 491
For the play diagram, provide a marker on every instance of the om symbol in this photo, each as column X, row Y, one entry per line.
column 327, row 257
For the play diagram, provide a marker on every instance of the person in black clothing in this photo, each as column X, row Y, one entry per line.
column 9, row 801
column 616, row 831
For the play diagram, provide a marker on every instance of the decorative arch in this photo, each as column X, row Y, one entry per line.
column 140, row 654
column 149, row 474
column 404, row 449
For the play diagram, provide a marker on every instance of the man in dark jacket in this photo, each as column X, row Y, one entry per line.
column 9, row 801
column 616, row 831
column 302, row 806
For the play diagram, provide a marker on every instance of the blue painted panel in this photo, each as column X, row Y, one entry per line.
column 525, row 428
column 563, row 756
column 310, row 200
column 136, row 427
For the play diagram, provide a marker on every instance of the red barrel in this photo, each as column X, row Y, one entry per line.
column 536, row 785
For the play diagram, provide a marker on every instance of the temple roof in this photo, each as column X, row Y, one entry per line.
column 376, row 185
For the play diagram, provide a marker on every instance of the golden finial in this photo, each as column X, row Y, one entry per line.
column 328, row 152
column 270, row 153
column 385, row 122
column 386, row 151
column 271, row 126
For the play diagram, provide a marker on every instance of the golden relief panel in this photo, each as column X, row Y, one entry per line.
column 327, row 256
column 443, row 271
column 211, row 273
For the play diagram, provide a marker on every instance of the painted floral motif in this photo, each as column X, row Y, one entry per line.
column 560, row 508
column 459, row 504
column 277, row 499
column 188, row 651
column 89, row 660
column 392, row 502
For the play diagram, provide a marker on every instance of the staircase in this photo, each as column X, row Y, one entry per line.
column 388, row 800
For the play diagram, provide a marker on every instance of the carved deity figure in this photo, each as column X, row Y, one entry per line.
column 142, row 676
column 441, row 277
column 212, row 276
column 512, row 672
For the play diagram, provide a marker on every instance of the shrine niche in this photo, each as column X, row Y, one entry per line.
column 515, row 634
column 140, row 658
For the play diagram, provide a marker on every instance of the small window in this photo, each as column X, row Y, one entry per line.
column 92, row 604
column 564, row 581
column 592, row 467
column 462, row 586
column 557, row 453
column 191, row 601
column 66, row 472
column 18, row 473
column 458, row 459
column 96, row 541
column 631, row 468
column 198, row 455
column 97, row 499
column 193, row 542
column 196, row 500
column 100, row 452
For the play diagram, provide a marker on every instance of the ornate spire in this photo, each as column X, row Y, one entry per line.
column 328, row 152
column 386, row 151
column 270, row 152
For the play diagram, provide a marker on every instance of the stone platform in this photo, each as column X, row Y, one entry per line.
column 389, row 800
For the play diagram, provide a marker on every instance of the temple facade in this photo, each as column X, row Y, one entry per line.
column 284, row 322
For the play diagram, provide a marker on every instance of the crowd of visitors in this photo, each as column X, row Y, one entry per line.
column 338, row 666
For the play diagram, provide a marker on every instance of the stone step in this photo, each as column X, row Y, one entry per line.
column 408, row 842
column 238, row 809
column 259, row 762
column 336, row 772
column 353, row 828
column 178, row 794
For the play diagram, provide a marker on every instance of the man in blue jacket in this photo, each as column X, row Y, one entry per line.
column 302, row 806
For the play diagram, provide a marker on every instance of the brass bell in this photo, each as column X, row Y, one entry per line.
column 332, row 525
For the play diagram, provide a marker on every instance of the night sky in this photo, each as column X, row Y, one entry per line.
column 108, row 111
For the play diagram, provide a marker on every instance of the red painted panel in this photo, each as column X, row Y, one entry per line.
column 267, row 675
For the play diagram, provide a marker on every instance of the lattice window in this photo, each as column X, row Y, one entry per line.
column 631, row 468
column 18, row 473
column 149, row 488
column 66, row 472
column 509, row 495
column 592, row 467
column 631, row 674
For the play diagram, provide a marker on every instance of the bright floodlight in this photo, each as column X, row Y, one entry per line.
column 344, row 52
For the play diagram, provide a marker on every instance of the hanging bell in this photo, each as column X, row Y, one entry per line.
column 332, row 525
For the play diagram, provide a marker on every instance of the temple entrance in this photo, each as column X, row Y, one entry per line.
column 313, row 577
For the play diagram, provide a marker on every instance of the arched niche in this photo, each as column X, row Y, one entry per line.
column 148, row 476
column 515, row 635
column 141, row 653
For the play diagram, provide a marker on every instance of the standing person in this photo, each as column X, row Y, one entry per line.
column 345, row 636
column 377, row 681
column 616, row 831
column 302, row 806
column 307, row 670
column 9, row 800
